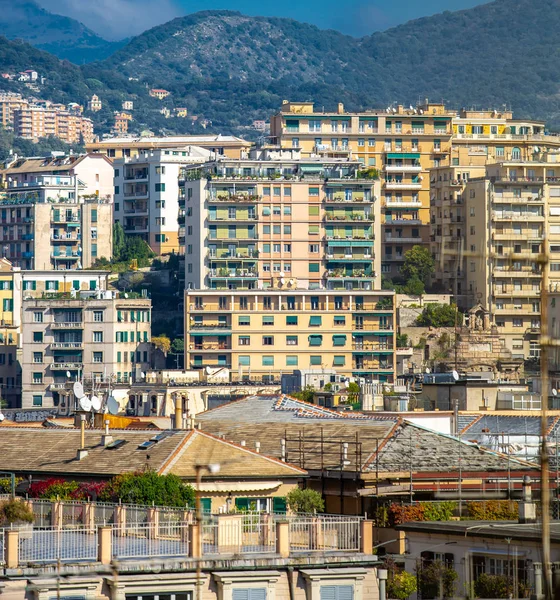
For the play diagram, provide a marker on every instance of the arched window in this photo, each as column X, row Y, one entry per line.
column 516, row 154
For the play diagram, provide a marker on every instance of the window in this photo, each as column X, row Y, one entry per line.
column 287, row 230
column 37, row 317
column 98, row 316
column 314, row 267
column 37, row 400
column 313, row 230
column 314, row 249
column 38, row 336
column 268, row 340
column 268, row 361
column 160, row 187
column 98, row 357
column 315, row 321
column 315, row 340
column 287, row 210
column 314, row 191
column 98, row 336
column 244, row 361
column 291, row 340
column 518, row 322
column 244, row 320
column 339, row 340
column 268, row 321
column 244, row 340
column 340, row 320
column 37, row 357
column 339, row 361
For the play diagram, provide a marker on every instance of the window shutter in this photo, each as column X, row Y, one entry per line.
column 242, row 503
column 240, row 594
column 206, row 505
column 279, row 504
column 328, row 592
column 257, row 594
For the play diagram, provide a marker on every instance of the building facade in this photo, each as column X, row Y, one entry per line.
column 279, row 218
column 513, row 217
column 129, row 147
column 34, row 123
column 47, row 225
column 93, row 336
column 479, row 138
column 402, row 144
column 148, row 198
column 260, row 334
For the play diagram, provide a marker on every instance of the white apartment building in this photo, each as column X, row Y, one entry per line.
column 94, row 171
column 95, row 336
column 148, row 200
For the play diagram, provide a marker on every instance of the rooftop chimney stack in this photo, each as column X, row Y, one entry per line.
column 527, row 508
column 257, row 447
column 82, row 452
column 106, row 439
column 283, row 450
column 178, row 413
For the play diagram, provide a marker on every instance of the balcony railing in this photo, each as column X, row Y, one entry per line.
column 66, row 366
column 67, row 325
column 67, row 345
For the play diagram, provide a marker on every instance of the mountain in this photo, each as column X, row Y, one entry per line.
column 62, row 36
column 232, row 69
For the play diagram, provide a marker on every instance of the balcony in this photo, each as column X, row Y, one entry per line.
column 511, row 199
column 232, row 274
column 511, row 293
column 66, row 366
column 402, row 205
column 516, row 216
column 67, row 325
column 67, row 345
column 329, row 218
column 65, row 237
column 516, row 236
column 403, row 168
column 371, row 347
column 404, row 222
column 349, row 258
column 136, row 176
column 238, row 197
column 343, row 199
column 355, row 274
column 403, row 240
column 403, row 185
column 210, row 347
column 236, row 219
column 73, row 256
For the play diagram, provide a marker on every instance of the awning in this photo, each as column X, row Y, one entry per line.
column 403, row 155
column 349, row 243
column 365, row 119
column 315, row 320
column 238, row 486
column 338, row 118
column 208, row 333
column 311, row 168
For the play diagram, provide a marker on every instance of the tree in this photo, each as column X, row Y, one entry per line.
column 306, row 394
column 414, row 286
column 436, row 579
column 149, row 488
column 419, row 264
column 15, row 511
column 119, row 240
column 163, row 343
column 438, row 315
column 305, row 501
column 400, row 585
column 353, row 392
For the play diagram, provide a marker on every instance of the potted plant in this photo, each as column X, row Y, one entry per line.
column 16, row 514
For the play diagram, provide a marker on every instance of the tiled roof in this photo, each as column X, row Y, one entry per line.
column 53, row 451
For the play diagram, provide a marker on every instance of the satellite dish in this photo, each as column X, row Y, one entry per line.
column 455, row 375
column 143, row 375
column 112, row 405
column 85, row 403
column 554, row 392
column 95, row 403
column 2, row 417
column 68, row 374
column 78, row 390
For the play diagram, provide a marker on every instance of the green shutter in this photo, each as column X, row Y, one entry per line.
column 242, row 503
column 206, row 505
column 315, row 321
column 279, row 504
column 339, row 340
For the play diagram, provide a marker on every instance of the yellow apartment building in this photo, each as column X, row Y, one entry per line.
column 480, row 137
column 513, row 215
column 33, row 123
column 276, row 217
column 401, row 143
column 10, row 102
column 129, row 146
column 260, row 334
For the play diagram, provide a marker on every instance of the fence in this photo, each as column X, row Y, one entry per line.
column 51, row 545
column 220, row 535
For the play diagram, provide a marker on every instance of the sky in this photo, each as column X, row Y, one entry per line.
column 117, row 19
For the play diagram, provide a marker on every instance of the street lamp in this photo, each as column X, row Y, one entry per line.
column 212, row 468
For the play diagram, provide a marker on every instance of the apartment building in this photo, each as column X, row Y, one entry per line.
column 260, row 334
column 10, row 102
column 513, row 216
column 129, row 147
column 48, row 224
column 95, row 104
column 401, row 143
column 479, row 138
column 94, row 171
column 92, row 336
column 278, row 217
column 149, row 200
column 34, row 122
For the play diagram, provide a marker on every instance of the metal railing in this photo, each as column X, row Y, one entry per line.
column 324, row 534
column 141, row 540
column 52, row 545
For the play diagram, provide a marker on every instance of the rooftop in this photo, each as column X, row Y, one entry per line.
column 171, row 141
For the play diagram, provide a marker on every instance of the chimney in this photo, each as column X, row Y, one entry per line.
column 82, row 452
column 283, row 450
column 257, row 447
column 340, row 108
column 178, row 413
column 242, row 443
column 106, row 439
column 527, row 508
